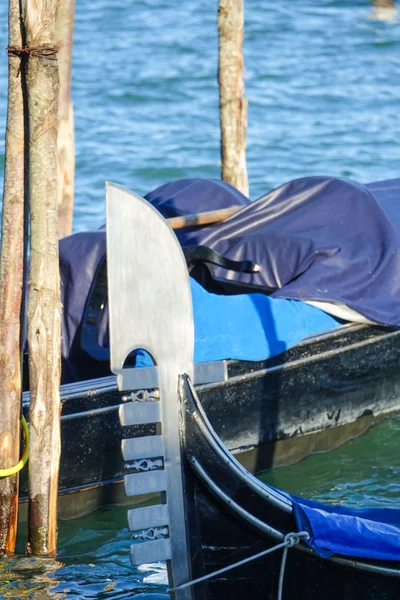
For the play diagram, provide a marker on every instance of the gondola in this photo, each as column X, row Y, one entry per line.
column 224, row 533
column 232, row 517
column 313, row 396
column 324, row 412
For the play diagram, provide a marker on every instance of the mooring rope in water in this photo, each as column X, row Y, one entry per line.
column 20, row 465
column 290, row 540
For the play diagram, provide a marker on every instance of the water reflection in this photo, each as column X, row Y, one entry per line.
column 28, row 577
column 363, row 473
column 93, row 562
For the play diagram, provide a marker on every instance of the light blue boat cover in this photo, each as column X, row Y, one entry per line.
column 365, row 533
column 248, row 326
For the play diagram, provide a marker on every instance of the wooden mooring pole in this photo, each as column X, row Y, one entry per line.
column 11, row 285
column 233, row 105
column 44, row 308
column 65, row 141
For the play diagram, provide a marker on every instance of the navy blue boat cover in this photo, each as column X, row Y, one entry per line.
column 365, row 533
column 323, row 239
column 317, row 238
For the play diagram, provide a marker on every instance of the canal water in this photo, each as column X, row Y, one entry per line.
column 364, row 472
column 94, row 562
column 322, row 81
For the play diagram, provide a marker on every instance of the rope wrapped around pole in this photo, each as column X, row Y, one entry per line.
column 49, row 52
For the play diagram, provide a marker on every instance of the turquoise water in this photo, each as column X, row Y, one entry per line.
column 364, row 472
column 322, row 81
column 93, row 562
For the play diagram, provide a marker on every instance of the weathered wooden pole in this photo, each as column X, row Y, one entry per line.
column 65, row 141
column 232, row 104
column 44, row 308
column 11, row 285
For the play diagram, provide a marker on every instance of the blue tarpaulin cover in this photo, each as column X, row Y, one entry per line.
column 317, row 238
column 363, row 533
column 248, row 326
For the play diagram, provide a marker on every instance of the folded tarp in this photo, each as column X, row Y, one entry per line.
column 366, row 533
column 317, row 239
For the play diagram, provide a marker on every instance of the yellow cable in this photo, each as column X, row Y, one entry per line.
column 13, row 470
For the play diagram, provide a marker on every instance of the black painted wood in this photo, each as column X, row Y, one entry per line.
column 219, row 536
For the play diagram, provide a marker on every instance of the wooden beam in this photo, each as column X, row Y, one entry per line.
column 204, row 218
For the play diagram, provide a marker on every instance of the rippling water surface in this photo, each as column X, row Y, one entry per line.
column 322, row 80
column 93, row 562
column 365, row 472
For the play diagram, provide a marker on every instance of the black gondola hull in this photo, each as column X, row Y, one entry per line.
column 313, row 397
column 228, row 514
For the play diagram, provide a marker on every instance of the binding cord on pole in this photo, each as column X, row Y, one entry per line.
column 290, row 540
column 20, row 465
column 49, row 52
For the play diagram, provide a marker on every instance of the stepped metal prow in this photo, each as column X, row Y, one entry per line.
column 150, row 307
